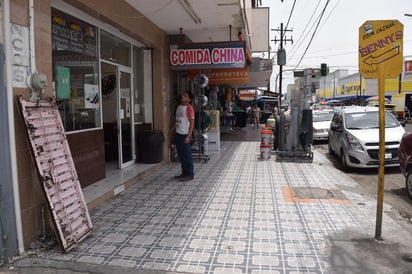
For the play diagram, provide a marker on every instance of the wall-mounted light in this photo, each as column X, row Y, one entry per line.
column 189, row 9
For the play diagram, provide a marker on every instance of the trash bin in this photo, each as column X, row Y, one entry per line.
column 151, row 144
column 241, row 118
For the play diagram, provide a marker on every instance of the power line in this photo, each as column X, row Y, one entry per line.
column 300, row 40
column 327, row 55
column 331, row 12
column 281, row 56
column 290, row 14
column 304, row 34
column 314, row 32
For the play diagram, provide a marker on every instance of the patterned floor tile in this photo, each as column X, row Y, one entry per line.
column 232, row 218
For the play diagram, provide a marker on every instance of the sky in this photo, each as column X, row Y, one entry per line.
column 336, row 39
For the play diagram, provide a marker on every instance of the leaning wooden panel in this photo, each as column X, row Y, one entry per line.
column 57, row 171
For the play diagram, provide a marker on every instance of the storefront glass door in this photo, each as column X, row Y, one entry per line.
column 125, row 119
column 118, row 114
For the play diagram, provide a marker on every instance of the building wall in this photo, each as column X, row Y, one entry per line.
column 127, row 20
column 354, row 85
column 132, row 23
column 7, row 207
column 369, row 87
column 31, row 198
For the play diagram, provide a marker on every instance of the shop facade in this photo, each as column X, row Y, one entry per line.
column 107, row 69
column 109, row 78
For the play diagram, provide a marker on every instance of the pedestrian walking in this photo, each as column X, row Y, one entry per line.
column 182, row 129
column 256, row 116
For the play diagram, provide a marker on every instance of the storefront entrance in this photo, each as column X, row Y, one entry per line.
column 118, row 116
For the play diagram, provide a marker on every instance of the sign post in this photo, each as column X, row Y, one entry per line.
column 381, row 56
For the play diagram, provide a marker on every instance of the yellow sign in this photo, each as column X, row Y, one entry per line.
column 225, row 76
column 381, row 48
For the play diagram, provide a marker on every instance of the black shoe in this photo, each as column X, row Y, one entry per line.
column 177, row 177
column 186, row 178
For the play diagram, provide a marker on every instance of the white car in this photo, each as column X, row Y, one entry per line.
column 354, row 137
column 321, row 120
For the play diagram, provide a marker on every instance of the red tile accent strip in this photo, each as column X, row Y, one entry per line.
column 290, row 197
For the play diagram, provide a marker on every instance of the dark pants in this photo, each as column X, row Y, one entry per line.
column 184, row 152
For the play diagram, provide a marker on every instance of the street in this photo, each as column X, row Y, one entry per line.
column 395, row 194
column 237, row 202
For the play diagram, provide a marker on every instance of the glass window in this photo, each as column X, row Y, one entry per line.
column 138, row 67
column 75, row 71
column 322, row 116
column 114, row 49
column 364, row 120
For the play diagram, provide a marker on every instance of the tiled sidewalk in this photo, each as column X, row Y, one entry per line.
column 239, row 215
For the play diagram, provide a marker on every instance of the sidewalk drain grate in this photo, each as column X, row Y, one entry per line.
column 318, row 193
column 304, row 194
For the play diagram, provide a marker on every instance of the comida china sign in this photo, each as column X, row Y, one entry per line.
column 208, row 55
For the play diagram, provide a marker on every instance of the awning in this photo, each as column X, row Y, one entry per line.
column 257, row 79
column 247, row 96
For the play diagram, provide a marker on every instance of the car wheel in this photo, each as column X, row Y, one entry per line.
column 345, row 166
column 409, row 184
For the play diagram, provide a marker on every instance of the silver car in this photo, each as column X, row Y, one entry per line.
column 321, row 123
column 354, row 137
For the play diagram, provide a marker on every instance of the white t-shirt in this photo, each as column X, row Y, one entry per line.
column 184, row 113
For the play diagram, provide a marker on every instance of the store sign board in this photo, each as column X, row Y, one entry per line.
column 407, row 69
column 20, row 55
column 224, row 76
column 408, row 66
column 228, row 76
column 381, row 48
column 72, row 34
column 208, row 55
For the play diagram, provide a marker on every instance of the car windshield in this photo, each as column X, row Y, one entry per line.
column 322, row 116
column 362, row 120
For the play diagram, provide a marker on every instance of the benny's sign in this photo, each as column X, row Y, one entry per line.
column 381, row 48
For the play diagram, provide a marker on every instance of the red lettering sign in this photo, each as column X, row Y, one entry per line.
column 408, row 66
column 208, row 55
column 381, row 43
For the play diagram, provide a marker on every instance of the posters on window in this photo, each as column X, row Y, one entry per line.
column 91, row 96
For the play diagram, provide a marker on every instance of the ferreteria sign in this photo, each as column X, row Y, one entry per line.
column 223, row 76
column 208, row 55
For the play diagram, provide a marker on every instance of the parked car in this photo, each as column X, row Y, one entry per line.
column 405, row 160
column 392, row 109
column 354, row 137
column 321, row 123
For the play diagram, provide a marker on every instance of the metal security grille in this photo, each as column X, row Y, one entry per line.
column 57, row 171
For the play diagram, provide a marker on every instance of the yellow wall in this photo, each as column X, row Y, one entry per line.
column 352, row 88
column 392, row 85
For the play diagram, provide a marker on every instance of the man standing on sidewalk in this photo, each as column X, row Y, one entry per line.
column 183, row 128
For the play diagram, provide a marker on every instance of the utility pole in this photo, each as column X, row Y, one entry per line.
column 324, row 88
column 281, row 56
